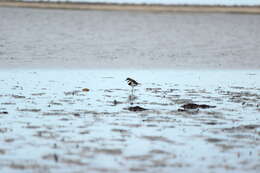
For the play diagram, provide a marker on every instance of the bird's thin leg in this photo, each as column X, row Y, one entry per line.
column 132, row 96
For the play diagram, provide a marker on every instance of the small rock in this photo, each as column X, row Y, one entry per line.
column 196, row 106
column 115, row 102
column 204, row 106
column 136, row 109
column 190, row 106
column 85, row 89
column 76, row 115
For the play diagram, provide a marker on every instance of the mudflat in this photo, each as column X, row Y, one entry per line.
column 87, row 120
column 55, row 38
column 65, row 105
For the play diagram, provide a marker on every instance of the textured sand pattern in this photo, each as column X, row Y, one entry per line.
column 49, row 124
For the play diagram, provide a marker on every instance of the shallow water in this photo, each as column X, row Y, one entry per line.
column 49, row 124
column 53, row 38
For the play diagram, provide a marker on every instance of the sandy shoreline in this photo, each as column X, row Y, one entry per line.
column 131, row 7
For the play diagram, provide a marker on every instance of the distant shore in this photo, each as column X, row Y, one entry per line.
column 132, row 7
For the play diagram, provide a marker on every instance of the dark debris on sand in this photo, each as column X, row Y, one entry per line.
column 193, row 106
column 196, row 106
column 136, row 109
column 4, row 112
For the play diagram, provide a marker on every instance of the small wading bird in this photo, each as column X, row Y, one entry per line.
column 132, row 83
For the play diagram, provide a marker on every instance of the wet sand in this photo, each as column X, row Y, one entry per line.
column 67, row 129
column 40, row 38
column 66, row 107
